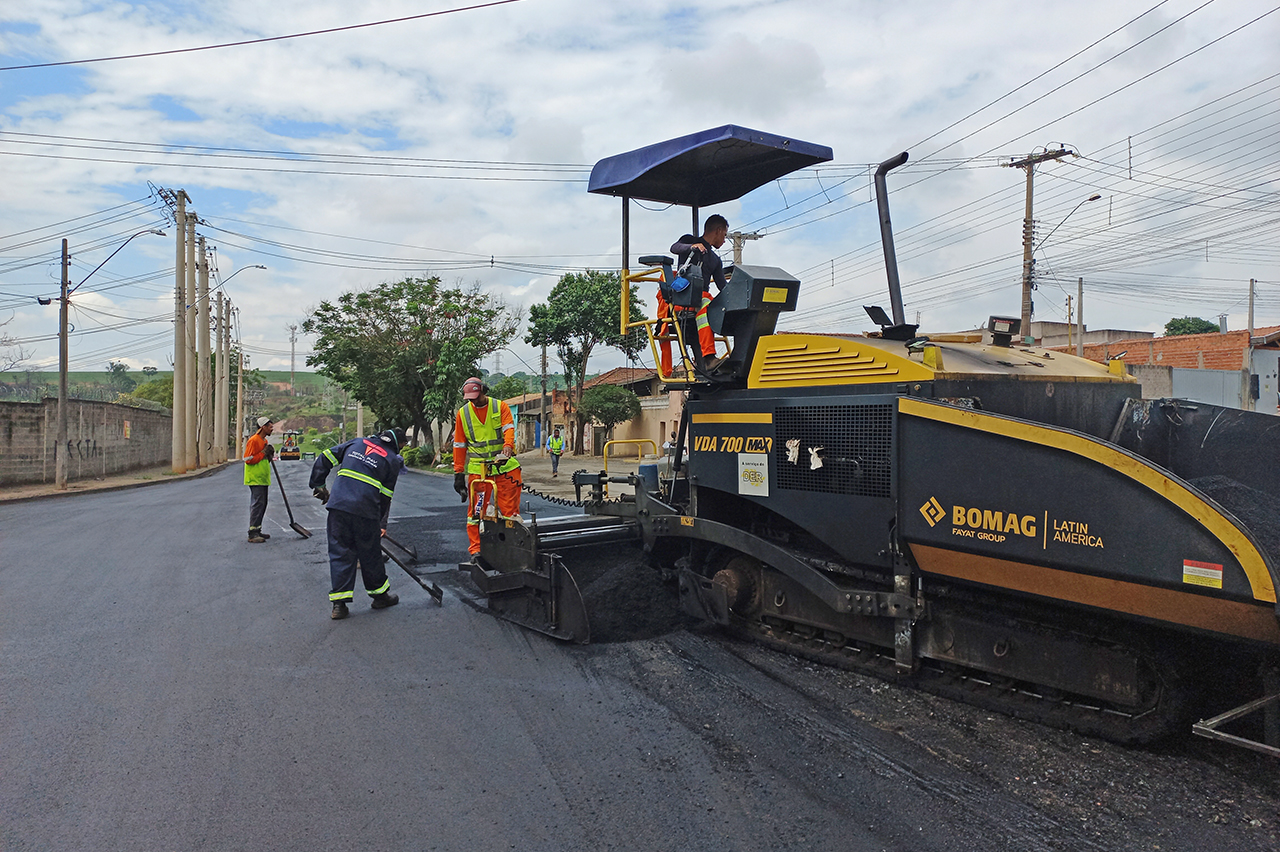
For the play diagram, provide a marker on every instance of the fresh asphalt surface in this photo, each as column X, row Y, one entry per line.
column 168, row 686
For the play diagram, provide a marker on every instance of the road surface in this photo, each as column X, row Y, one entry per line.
column 168, row 686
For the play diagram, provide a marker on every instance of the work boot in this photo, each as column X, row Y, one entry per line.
column 385, row 600
column 256, row 537
column 264, row 535
column 339, row 610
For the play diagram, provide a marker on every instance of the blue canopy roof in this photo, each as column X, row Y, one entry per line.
column 704, row 168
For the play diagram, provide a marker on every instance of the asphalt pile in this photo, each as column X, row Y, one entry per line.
column 626, row 599
column 1257, row 510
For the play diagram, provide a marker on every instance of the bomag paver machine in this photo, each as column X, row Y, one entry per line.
column 1010, row 526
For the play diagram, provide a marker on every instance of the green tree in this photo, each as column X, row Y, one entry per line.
column 507, row 387
column 581, row 314
column 1189, row 325
column 118, row 377
column 609, row 405
column 160, row 389
column 404, row 348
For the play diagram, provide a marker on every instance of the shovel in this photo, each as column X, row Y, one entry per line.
column 409, row 549
column 297, row 527
column 437, row 594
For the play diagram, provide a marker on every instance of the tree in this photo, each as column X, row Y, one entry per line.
column 581, row 314
column 11, row 353
column 118, row 378
column 609, row 405
column 160, row 389
column 508, row 387
column 404, row 348
column 1189, row 325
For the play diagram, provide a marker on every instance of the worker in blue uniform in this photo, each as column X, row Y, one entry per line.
column 359, row 506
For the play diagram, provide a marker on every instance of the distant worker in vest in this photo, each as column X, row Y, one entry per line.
column 359, row 506
column 714, row 233
column 555, row 446
column 258, row 454
column 484, row 432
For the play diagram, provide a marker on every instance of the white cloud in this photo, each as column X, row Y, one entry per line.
column 564, row 82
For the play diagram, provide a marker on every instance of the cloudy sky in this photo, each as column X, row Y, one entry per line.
column 458, row 143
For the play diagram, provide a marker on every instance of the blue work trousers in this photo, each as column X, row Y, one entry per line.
column 355, row 542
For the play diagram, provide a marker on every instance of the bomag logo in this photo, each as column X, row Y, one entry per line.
column 933, row 511
column 990, row 525
column 753, row 476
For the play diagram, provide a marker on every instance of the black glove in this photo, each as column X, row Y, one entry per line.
column 321, row 494
column 460, row 485
column 269, row 452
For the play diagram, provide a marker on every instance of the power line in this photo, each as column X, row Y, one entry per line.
column 259, row 40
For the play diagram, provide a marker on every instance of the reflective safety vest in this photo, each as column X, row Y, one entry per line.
column 484, row 438
column 555, row 445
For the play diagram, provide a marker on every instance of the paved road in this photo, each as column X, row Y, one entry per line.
column 168, row 686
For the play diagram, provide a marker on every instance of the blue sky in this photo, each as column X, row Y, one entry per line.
column 427, row 147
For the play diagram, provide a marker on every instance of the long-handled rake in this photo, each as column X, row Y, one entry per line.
column 297, row 527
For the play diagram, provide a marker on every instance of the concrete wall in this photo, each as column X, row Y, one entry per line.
column 96, row 441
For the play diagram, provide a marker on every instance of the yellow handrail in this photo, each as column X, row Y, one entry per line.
column 653, row 275
column 639, row 455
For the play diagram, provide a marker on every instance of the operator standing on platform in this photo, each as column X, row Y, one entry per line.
column 714, row 233
column 484, row 431
column 358, row 511
column 257, row 475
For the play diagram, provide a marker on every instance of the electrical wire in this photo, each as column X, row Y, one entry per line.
column 260, row 40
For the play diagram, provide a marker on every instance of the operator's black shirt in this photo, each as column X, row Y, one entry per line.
column 712, row 266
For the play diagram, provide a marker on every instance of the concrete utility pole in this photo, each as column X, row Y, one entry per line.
column 60, row 452
column 546, row 419
column 240, row 405
column 738, row 239
column 226, row 378
column 359, row 418
column 179, row 443
column 189, row 379
column 293, row 340
column 1080, row 317
column 219, row 376
column 204, row 410
column 1028, row 231
column 1070, row 326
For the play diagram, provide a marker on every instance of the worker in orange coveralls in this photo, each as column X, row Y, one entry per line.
column 484, row 431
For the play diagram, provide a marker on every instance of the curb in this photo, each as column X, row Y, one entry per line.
column 121, row 487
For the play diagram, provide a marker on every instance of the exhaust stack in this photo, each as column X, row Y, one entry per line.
column 886, row 237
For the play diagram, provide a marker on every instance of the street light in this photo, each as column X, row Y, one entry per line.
column 1093, row 197
column 1028, row 273
column 60, row 454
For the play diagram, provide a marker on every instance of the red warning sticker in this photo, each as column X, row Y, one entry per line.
column 1202, row 573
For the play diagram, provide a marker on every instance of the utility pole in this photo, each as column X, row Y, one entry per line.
column 219, row 376
column 546, row 420
column 1080, row 317
column 1028, row 232
column 189, row 379
column 179, row 424
column 293, row 340
column 226, row 379
column 1248, row 354
column 1252, row 283
column 204, row 439
column 1069, row 326
column 738, row 239
column 60, row 453
column 240, row 404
